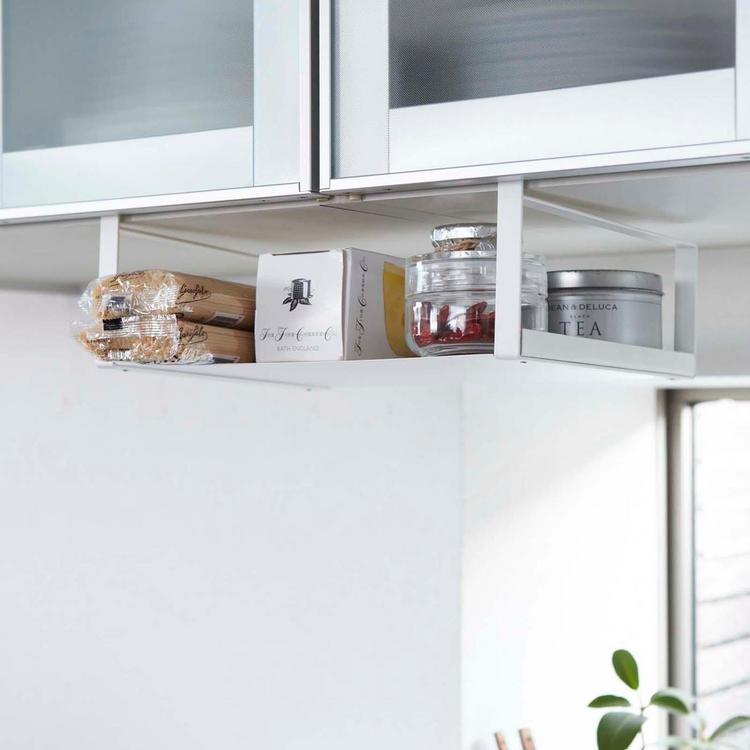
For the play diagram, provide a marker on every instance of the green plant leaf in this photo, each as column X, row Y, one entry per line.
column 626, row 668
column 617, row 730
column 609, row 701
column 731, row 725
column 672, row 700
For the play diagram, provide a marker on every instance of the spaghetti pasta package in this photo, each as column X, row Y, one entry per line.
column 195, row 298
column 159, row 339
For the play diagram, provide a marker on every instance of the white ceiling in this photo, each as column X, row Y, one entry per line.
column 707, row 205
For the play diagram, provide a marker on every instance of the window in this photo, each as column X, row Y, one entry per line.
column 710, row 552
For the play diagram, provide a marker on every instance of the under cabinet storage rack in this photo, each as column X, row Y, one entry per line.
column 508, row 206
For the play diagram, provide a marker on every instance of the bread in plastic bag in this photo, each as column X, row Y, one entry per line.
column 159, row 339
column 196, row 298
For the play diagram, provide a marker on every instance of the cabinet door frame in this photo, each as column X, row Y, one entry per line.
column 719, row 151
column 297, row 190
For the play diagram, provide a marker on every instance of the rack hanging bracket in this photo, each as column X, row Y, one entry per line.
column 109, row 244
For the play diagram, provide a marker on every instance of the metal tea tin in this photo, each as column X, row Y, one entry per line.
column 621, row 306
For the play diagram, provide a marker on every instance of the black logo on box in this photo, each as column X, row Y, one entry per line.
column 299, row 293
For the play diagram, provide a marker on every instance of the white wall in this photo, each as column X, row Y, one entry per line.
column 563, row 539
column 723, row 313
column 197, row 564
column 209, row 564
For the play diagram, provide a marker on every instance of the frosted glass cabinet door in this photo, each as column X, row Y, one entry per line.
column 430, row 84
column 120, row 98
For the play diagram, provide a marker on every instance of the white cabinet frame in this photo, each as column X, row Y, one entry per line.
column 731, row 129
column 307, row 184
column 681, row 546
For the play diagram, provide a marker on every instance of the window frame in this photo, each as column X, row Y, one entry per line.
column 681, row 534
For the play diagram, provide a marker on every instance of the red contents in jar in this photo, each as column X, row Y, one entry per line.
column 420, row 328
column 473, row 327
column 467, row 325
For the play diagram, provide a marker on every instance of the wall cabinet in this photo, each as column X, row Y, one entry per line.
column 108, row 100
column 419, row 85
column 159, row 103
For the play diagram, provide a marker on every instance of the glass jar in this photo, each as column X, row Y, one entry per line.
column 450, row 292
column 534, row 310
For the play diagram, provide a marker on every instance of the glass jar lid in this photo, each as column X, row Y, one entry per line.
column 465, row 259
column 466, row 270
column 450, row 237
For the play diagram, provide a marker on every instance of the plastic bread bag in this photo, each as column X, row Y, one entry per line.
column 159, row 339
column 196, row 298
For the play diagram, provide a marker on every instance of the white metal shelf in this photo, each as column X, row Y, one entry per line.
column 476, row 369
column 545, row 357
column 407, row 222
column 553, row 347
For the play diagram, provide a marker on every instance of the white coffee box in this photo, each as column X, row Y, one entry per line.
column 329, row 305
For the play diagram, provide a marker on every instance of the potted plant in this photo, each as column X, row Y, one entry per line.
column 618, row 730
